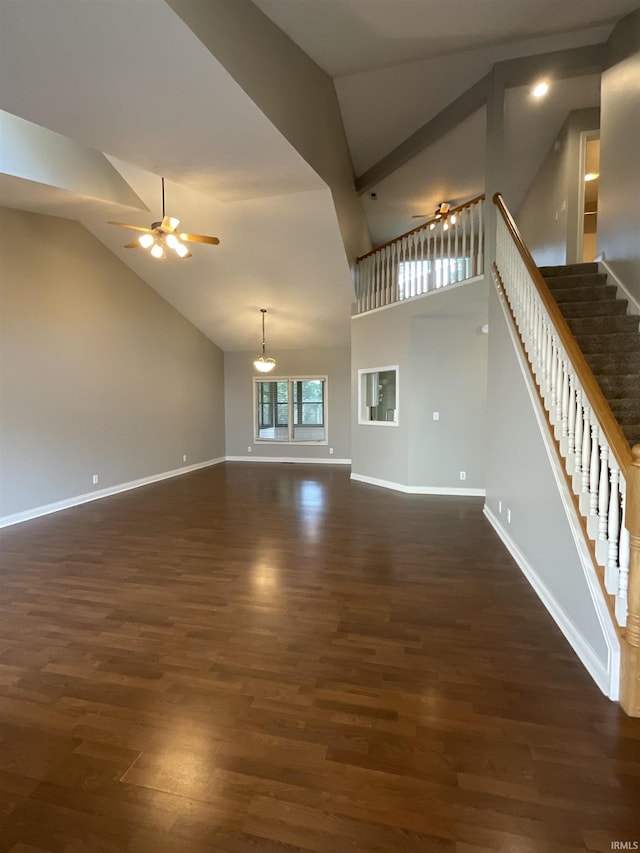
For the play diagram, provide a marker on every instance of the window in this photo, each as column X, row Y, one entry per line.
column 419, row 276
column 291, row 410
column 378, row 396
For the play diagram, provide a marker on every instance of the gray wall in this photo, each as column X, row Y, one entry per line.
column 619, row 191
column 449, row 376
column 98, row 374
column 437, row 343
column 239, row 374
column 381, row 339
column 520, row 475
column 550, row 216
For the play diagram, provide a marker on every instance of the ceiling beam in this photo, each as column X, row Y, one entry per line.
column 559, row 64
column 448, row 118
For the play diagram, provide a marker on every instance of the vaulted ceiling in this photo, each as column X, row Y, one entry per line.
column 355, row 36
column 133, row 81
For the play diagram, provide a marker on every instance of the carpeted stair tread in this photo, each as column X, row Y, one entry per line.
column 606, row 334
column 632, row 434
column 598, row 292
column 609, row 362
column 619, row 342
column 625, row 407
column 602, row 325
column 562, row 282
column 620, row 385
column 569, row 269
column 629, row 419
column 599, row 308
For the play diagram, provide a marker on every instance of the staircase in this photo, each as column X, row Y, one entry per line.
column 583, row 355
column 606, row 334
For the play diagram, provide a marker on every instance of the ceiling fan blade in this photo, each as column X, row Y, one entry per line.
column 199, row 238
column 134, row 245
column 134, row 227
column 169, row 224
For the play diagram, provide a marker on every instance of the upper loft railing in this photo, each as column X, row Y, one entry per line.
column 602, row 470
column 442, row 251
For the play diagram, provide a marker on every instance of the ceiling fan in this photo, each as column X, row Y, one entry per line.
column 164, row 235
column 441, row 210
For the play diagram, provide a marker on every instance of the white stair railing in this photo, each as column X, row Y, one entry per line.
column 442, row 251
column 603, row 471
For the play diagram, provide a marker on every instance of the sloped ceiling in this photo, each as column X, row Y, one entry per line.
column 130, row 80
column 351, row 36
column 397, row 63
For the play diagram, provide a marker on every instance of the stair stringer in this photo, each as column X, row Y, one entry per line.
column 603, row 668
column 633, row 306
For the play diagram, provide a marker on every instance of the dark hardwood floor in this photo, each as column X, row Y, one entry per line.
column 272, row 658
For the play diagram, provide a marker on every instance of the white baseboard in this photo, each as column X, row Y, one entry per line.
column 604, row 677
column 623, row 293
column 418, row 490
column 77, row 500
column 299, row 460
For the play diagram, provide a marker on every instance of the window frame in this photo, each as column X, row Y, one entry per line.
column 362, row 372
column 432, row 270
column 290, row 380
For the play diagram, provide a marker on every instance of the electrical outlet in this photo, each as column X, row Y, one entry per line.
column 436, row 416
column 463, row 475
column 331, row 451
column 500, row 507
column 508, row 516
column 249, row 449
column 184, row 457
column 95, row 479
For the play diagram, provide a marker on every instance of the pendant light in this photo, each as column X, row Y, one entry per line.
column 263, row 364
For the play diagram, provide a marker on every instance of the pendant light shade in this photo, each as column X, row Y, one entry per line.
column 262, row 363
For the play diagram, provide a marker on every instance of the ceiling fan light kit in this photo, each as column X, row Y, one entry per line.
column 164, row 235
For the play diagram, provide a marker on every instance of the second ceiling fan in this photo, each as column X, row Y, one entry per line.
column 164, row 235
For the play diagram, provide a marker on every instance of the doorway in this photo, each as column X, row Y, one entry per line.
column 590, row 179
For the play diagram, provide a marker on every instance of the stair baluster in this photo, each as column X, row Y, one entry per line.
column 577, row 456
column 612, row 571
column 603, row 494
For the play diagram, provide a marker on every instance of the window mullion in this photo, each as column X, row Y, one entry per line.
column 290, row 418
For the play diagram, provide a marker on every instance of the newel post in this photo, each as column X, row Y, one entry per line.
column 630, row 663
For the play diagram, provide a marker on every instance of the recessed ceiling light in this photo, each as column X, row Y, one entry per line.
column 592, row 176
column 540, row 89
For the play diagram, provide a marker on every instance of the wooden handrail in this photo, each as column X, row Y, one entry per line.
column 630, row 660
column 424, row 225
column 597, row 401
